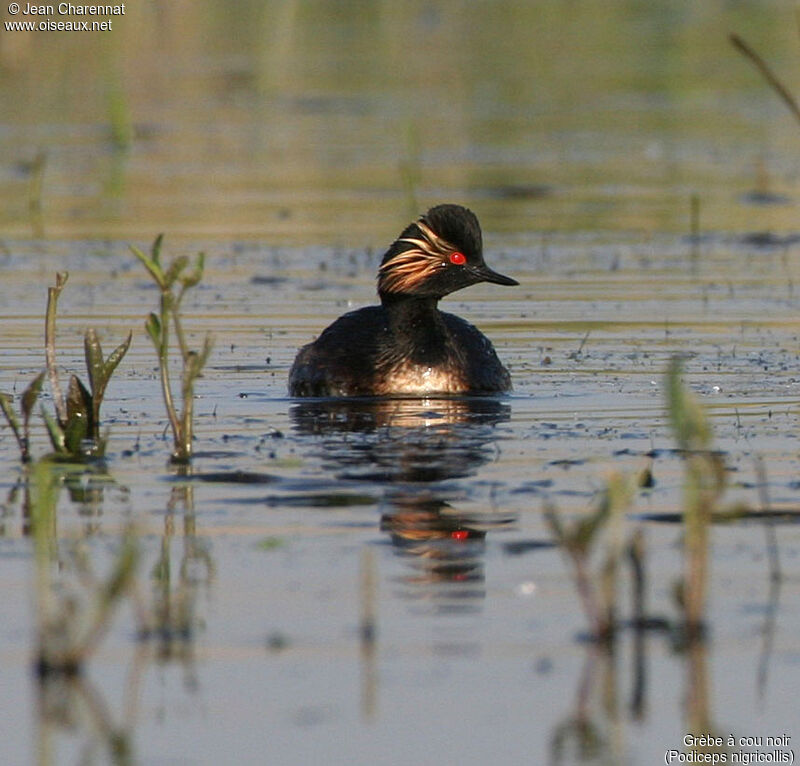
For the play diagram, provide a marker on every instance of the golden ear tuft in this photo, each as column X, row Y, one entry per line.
column 408, row 269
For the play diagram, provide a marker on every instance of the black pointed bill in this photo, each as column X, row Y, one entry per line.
column 485, row 274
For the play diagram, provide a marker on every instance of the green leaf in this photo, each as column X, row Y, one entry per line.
column 55, row 432
column 100, row 372
column 151, row 263
column 192, row 365
column 686, row 414
column 75, row 433
column 79, row 400
column 190, row 280
column 94, row 359
column 175, row 269
column 155, row 248
column 8, row 411
column 195, row 362
column 208, row 345
column 114, row 358
column 153, row 327
column 79, row 417
column 31, row 394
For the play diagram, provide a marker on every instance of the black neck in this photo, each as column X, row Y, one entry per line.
column 416, row 325
column 404, row 301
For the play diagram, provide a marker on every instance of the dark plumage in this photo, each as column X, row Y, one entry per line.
column 406, row 345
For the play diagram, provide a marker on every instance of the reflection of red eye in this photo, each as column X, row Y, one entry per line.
column 459, row 259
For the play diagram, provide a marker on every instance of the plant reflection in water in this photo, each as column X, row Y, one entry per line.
column 78, row 593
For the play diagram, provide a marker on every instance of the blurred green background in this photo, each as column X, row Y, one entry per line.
column 311, row 121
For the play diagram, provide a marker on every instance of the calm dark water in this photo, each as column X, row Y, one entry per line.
column 290, row 143
column 477, row 621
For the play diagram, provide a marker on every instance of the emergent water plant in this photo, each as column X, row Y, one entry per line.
column 27, row 403
column 173, row 282
column 704, row 484
column 75, row 430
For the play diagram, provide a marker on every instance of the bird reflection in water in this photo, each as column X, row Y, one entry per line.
column 419, row 450
column 444, row 548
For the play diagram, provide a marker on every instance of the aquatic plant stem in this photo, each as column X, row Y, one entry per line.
column 703, row 486
column 184, row 451
column 767, row 74
column 697, row 517
column 157, row 326
column 163, row 365
column 187, row 393
column 600, row 629
column 179, row 326
column 50, row 346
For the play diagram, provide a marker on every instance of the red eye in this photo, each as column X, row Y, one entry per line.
column 459, row 534
column 459, row 259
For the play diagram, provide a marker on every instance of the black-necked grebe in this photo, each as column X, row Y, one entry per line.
column 406, row 346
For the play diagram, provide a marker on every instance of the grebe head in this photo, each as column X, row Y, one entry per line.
column 439, row 253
